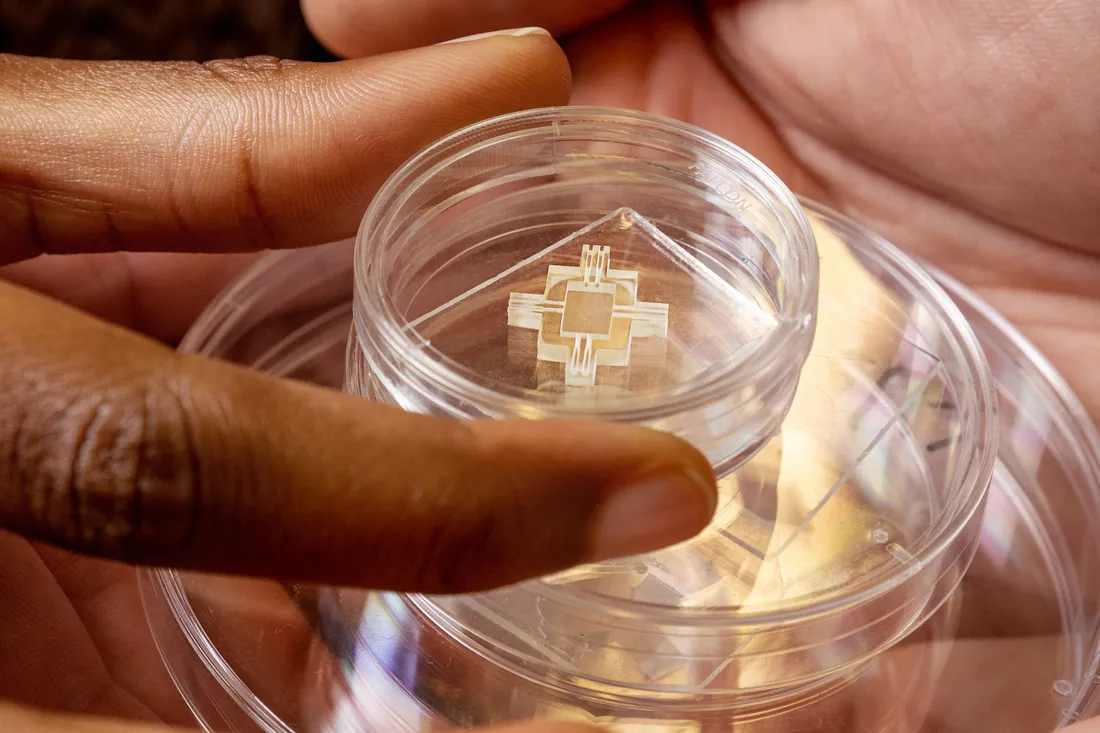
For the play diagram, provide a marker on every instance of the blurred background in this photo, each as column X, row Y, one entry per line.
column 155, row 30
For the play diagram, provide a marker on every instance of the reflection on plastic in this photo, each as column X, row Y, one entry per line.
column 1021, row 620
column 849, row 581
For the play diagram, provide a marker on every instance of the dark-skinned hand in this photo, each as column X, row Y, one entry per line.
column 115, row 449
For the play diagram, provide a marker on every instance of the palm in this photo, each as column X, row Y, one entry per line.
column 77, row 624
column 78, row 627
column 854, row 116
column 70, row 621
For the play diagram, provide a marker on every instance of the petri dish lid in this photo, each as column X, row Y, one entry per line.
column 851, row 424
column 1015, row 647
column 856, row 529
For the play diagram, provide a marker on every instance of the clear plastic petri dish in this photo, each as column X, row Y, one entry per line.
column 619, row 266
column 877, row 549
column 583, row 262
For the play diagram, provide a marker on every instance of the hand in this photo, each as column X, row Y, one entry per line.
column 966, row 132
column 113, row 445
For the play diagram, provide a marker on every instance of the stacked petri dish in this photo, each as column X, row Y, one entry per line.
column 908, row 491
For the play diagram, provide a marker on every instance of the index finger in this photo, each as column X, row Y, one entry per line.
column 117, row 446
column 235, row 155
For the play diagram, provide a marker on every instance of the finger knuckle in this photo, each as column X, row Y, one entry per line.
column 249, row 71
column 110, row 472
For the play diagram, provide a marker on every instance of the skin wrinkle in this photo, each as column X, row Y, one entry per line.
column 195, row 478
column 443, row 541
column 31, row 225
column 433, row 550
column 258, row 212
column 360, row 145
column 137, row 518
column 77, row 486
column 83, row 479
column 98, row 692
column 126, row 460
column 329, row 95
column 216, row 425
column 84, row 673
column 129, row 295
column 114, row 235
column 58, row 469
column 189, row 138
column 59, row 448
column 17, row 415
column 250, row 81
column 171, row 481
column 479, row 545
column 31, row 190
column 30, row 502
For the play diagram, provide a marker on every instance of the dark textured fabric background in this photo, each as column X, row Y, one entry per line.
column 195, row 30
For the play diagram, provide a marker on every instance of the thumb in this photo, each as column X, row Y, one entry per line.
column 117, row 446
column 234, row 155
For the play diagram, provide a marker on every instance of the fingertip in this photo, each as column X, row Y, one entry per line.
column 327, row 22
column 649, row 513
column 606, row 448
column 364, row 27
column 656, row 489
column 532, row 51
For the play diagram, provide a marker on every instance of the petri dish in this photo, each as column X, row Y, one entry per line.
column 910, row 512
column 583, row 262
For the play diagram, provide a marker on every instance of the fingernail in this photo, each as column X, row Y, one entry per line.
column 515, row 32
column 652, row 514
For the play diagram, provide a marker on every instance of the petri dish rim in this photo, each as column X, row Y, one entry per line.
column 1068, row 412
column 1073, row 419
column 793, row 318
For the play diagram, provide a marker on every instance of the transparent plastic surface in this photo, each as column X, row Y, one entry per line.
column 1013, row 649
column 853, row 579
column 504, row 271
column 588, row 262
